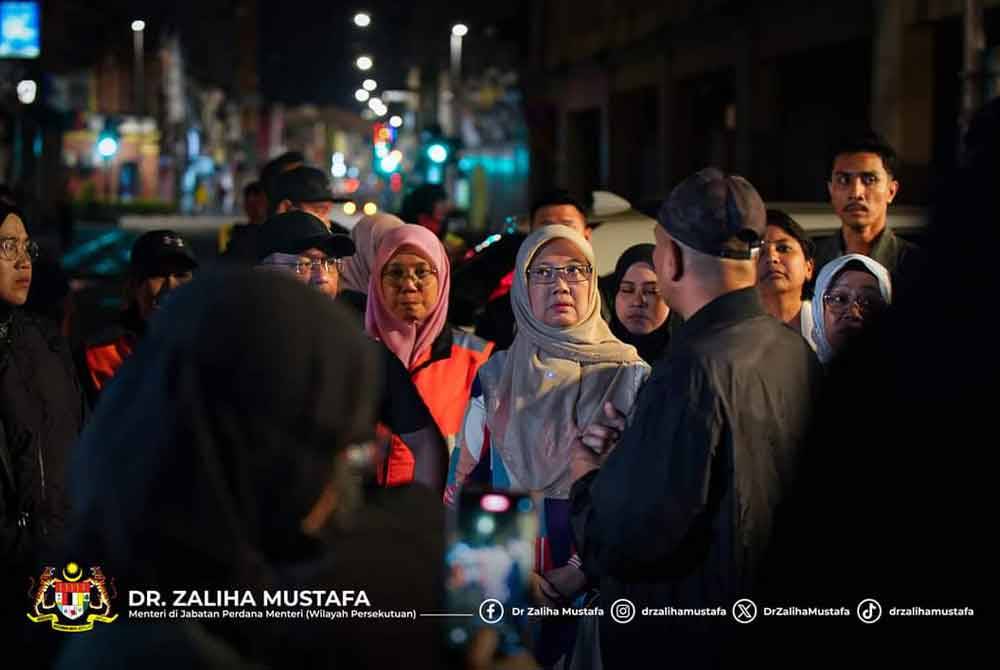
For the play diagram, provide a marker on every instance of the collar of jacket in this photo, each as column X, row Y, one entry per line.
column 884, row 249
column 440, row 348
column 725, row 310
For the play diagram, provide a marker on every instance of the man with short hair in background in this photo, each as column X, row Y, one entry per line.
column 862, row 186
column 255, row 208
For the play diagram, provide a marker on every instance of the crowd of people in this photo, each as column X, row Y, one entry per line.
column 304, row 413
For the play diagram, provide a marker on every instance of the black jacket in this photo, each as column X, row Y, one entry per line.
column 42, row 411
column 680, row 515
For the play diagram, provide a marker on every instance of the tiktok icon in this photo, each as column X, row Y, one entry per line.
column 869, row 610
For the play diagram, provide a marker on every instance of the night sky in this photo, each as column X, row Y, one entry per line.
column 307, row 53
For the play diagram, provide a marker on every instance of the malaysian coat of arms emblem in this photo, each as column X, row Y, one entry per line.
column 65, row 602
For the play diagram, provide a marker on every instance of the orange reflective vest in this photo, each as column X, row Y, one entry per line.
column 444, row 379
column 105, row 357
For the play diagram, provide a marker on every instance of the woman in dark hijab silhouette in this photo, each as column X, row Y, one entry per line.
column 211, row 463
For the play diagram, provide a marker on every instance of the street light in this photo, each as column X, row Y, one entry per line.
column 362, row 20
column 395, row 121
column 369, row 84
column 138, row 26
column 375, row 104
column 458, row 31
column 361, row 95
column 364, row 63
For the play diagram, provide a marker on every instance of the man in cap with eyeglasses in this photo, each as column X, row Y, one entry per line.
column 678, row 514
column 298, row 243
column 160, row 261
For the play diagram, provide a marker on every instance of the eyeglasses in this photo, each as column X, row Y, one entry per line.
column 11, row 249
column 841, row 301
column 398, row 275
column 571, row 274
column 326, row 265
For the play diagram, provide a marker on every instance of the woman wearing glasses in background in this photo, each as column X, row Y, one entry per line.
column 407, row 311
column 851, row 291
column 532, row 402
column 42, row 410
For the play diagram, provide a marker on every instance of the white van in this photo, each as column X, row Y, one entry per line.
column 615, row 232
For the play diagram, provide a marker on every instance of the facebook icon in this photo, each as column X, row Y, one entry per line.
column 491, row 611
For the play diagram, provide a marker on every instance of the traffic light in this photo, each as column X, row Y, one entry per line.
column 107, row 141
column 386, row 159
column 438, row 151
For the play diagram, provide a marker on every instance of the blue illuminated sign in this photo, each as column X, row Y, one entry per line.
column 20, row 30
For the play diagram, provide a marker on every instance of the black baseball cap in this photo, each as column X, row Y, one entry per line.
column 294, row 232
column 159, row 250
column 715, row 213
column 300, row 184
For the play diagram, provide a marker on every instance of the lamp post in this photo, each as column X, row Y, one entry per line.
column 138, row 27
column 107, row 147
column 458, row 31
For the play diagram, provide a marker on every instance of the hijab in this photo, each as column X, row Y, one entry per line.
column 554, row 381
column 406, row 339
column 823, row 281
column 367, row 235
column 651, row 346
column 218, row 435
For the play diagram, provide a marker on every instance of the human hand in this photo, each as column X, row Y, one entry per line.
column 596, row 442
column 562, row 585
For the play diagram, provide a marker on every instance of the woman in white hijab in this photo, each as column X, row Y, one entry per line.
column 532, row 402
column 850, row 291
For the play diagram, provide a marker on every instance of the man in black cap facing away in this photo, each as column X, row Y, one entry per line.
column 161, row 260
column 303, row 188
column 679, row 513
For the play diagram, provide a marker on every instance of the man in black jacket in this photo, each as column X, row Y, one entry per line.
column 679, row 515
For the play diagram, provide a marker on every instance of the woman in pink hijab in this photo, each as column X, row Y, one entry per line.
column 407, row 310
